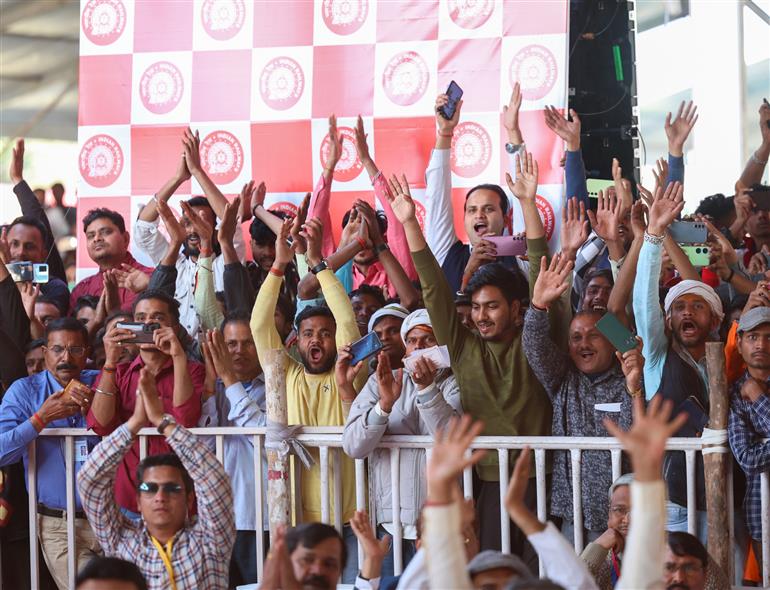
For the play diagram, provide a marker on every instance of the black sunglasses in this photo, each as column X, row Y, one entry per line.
column 152, row 488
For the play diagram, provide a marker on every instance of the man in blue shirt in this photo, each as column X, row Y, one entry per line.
column 37, row 401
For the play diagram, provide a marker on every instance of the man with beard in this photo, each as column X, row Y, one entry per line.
column 37, row 402
column 387, row 322
column 675, row 365
column 199, row 215
column 313, row 396
column 585, row 385
column 749, row 423
column 107, row 244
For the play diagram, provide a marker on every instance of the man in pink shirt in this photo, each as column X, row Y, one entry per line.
column 107, row 243
column 179, row 383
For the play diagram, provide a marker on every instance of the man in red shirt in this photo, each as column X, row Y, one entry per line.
column 179, row 383
column 107, row 244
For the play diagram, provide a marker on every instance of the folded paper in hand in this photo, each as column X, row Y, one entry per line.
column 438, row 354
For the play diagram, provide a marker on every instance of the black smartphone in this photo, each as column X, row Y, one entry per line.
column 619, row 336
column 688, row 232
column 142, row 332
column 455, row 93
column 365, row 347
column 761, row 199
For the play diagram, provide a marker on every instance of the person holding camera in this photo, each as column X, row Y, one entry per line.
column 179, row 382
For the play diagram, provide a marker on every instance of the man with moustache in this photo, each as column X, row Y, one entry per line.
column 688, row 565
column 39, row 401
column 749, row 422
column 675, row 365
column 585, row 386
column 387, row 322
column 312, row 393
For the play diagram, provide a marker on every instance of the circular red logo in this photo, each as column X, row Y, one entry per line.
column 546, row 214
column 470, row 14
column 284, row 207
column 405, row 78
column 100, row 161
column 344, row 17
column 471, row 149
column 161, row 87
column 222, row 19
column 349, row 165
column 419, row 213
column 222, row 156
column 534, row 67
column 281, row 83
column 103, row 21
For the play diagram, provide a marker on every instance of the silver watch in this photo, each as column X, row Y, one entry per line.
column 167, row 419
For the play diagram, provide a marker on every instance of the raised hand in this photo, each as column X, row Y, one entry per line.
column 424, row 373
column 166, row 341
column 174, row 229
column 645, row 195
column 744, row 207
column 764, row 122
column 401, row 199
column 759, row 297
column 300, row 247
column 220, row 357
column 515, row 502
column 56, row 407
column 389, row 387
column 574, row 228
column 660, row 172
column 448, row 458
column 335, row 146
column 192, row 151
column 632, row 365
column 665, row 208
column 147, row 390
column 678, row 131
column 483, row 253
column 131, row 278
column 201, row 225
column 552, row 281
column 728, row 252
column 638, row 224
column 278, row 570
column 525, row 187
column 5, row 249
column 446, row 126
column 362, row 147
column 229, row 223
column 258, row 196
column 370, row 218
column 29, row 293
column 182, row 171
column 511, row 115
column 312, row 231
column 646, row 441
column 345, row 373
column 374, row 549
column 245, row 196
column 622, row 186
column 351, row 230
column 138, row 419
column 210, row 380
column 284, row 253
column 568, row 130
column 16, row 172
column 609, row 213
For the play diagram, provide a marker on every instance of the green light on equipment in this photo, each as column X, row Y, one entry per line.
column 618, row 63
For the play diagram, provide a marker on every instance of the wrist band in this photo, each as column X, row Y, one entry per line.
column 107, row 369
column 107, row 393
column 37, row 421
column 537, row 307
column 654, row 240
column 730, row 278
column 636, row 393
column 450, row 134
column 361, row 242
column 276, row 271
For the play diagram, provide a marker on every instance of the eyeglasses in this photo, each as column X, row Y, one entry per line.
column 620, row 511
column 152, row 488
column 687, row 569
column 76, row 351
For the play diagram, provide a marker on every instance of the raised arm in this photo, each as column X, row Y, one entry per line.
column 677, row 133
column 624, row 284
column 755, row 167
column 574, row 168
column 150, row 211
column 321, row 200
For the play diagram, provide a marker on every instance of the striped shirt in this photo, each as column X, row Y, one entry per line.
column 201, row 549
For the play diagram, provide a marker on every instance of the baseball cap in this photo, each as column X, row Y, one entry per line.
column 489, row 560
column 753, row 318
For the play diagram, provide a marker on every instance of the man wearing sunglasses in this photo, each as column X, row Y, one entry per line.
column 172, row 549
column 38, row 401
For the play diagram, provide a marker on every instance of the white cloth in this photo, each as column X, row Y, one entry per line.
column 560, row 562
column 691, row 287
column 418, row 317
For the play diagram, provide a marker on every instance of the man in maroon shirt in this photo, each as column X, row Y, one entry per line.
column 107, row 243
column 179, row 383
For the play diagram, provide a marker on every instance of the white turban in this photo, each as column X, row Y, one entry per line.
column 391, row 309
column 419, row 317
column 690, row 287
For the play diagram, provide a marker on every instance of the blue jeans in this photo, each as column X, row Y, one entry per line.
column 676, row 521
column 568, row 530
column 408, row 549
column 350, row 572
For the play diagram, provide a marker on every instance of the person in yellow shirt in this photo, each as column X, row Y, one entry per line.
column 313, row 398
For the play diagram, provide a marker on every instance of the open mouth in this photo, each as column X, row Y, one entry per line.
column 587, row 355
column 688, row 329
column 480, row 228
column 484, row 327
column 315, row 353
column 598, row 306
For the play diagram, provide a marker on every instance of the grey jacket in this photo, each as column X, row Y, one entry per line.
column 412, row 414
column 580, row 403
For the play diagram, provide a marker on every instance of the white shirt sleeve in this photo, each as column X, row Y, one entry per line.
column 148, row 239
column 439, row 218
column 559, row 560
column 444, row 549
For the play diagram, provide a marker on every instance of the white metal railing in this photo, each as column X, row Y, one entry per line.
column 329, row 439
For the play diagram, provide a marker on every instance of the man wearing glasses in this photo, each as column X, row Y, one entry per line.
column 39, row 401
column 172, row 549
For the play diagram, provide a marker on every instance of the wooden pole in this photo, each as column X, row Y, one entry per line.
column 716, row 464
column 278, row 474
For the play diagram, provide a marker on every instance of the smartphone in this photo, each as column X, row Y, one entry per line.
column 761, row 199
column 365, row 347
column 688, row 232
column 455, row 93
column 509, row 245
column 28, row 272
column 594, row 185
column 142, row 332
column 698, row 255
column 75, row 385
column 619, row 336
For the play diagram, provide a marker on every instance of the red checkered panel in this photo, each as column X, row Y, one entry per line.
column 258, row 79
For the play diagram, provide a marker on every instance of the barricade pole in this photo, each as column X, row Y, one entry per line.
column 395, row 502
column 692, row 505
column 505, row 520
column 577, row 499
column 69, row 461
column 259, row 519
column 278, row 478
column 34, row 570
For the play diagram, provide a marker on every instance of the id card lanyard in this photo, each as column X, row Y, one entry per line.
column 165, row 555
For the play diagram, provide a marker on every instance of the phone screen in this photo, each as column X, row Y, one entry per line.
column 455, row 93
column 365, row 347
column 619, row 336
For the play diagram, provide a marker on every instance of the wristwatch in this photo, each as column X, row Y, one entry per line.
column 167, row 419
column 321, row 266
column 513, row 148
column 380, row 248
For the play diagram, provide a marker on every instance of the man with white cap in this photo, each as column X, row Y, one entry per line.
column 675, row 365
column 396, row 402
column 387, row 322
column 748, row 427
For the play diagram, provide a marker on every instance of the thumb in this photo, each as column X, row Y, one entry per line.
column 56, row 395
column 385, row 543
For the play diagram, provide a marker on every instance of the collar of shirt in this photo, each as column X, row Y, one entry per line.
column 375, row 275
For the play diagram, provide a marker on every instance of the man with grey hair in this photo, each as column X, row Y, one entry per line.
column 603, row 557
column 493, row 570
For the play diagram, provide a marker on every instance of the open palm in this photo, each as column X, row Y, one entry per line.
column 401, row 199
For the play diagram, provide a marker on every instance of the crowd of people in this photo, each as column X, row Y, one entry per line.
column 472, row 343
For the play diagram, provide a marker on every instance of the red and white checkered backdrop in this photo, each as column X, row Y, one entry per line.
column 258, row 79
